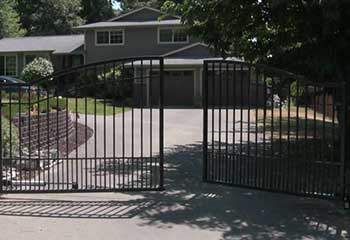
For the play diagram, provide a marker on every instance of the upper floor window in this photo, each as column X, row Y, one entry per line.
column 113, row 37
column 172, row 35
column 8, row 65
column 28, row 58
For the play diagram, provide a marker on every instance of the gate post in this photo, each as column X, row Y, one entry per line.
column 205, row 122
column 161, row 123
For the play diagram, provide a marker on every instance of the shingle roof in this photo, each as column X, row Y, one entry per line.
column 55, row 44
column 130, row 24
column 183, row 61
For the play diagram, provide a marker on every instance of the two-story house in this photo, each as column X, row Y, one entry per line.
column 142, row 32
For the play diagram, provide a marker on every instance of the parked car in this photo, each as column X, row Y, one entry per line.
column 13, row 81
column 25, row 88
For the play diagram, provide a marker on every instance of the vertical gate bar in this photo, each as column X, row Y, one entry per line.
column 333, row 189
column 39, row 138
column 241, row 161
column 227, row 120
column 1, row 142
column 257, row 158
column 29, row 159
column 205, row 122
column 11, row 137
column 234, row 159
column 4, row 166
column 58, row 137
column 272, row 164
column 86, row 134
column 289, row 170
column 314, row 153
column 344, row 120
column 67, row 141
column 132, row 123
column 20, row 136
column 141, row 127
column 306, row 151
column 63, row 156
column 324, row 143
column 104, row 129
column 220, row 111
column 76, row 134
column 150, row 102
column 48, row 131
column 123, row 120
column 295, row 157
column 281, row 165
column 57, row 140
column 161, row 124
column 4, row 159
column 248, row 176
column 114, row 87
column 55, row 179
column 95, row 131
column 213, row 176
column 265, row 175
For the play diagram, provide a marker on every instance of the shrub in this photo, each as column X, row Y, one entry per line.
column 10, row 139
column 38, row 68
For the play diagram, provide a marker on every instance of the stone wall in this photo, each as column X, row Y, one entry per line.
column 41, row 130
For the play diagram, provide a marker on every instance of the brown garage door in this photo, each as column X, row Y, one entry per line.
column 178, row 89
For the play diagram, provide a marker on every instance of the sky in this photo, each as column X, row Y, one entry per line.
column 116, row 5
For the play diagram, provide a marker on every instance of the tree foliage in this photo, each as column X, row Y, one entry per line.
column 49, row 17
column 127, row 5
column 97, row 10
column 307, row 37
column 10, row 25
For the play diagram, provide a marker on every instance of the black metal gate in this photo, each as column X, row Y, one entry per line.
column 269, row 129
column 90, row 128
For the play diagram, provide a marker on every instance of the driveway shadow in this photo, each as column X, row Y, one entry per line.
column 73, row 209
column 238, row 213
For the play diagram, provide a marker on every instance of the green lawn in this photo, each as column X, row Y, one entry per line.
column 88, row 106
column 80, row 105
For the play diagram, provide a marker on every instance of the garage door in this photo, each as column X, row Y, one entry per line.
column 178, row 89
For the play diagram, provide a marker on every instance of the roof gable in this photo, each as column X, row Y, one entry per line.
column 141, row 14
column 196, row 50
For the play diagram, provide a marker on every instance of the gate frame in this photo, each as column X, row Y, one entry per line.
column 83, row 67
column 343, row 108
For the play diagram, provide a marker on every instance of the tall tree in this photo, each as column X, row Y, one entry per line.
column 311, row 37
column 307, row 37
column 10, row 25
column 97, row 10
column 49, row 17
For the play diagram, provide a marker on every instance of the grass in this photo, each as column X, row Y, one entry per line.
column 87, row 106
column 83, row 107
column 310, row 124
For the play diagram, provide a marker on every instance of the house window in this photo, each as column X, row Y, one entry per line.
column 102, row 37
column 115, row 37
column 176, row 35
column 30, row 57
column 8, row 65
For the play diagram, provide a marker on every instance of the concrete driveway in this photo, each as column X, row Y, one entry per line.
column 188, row 209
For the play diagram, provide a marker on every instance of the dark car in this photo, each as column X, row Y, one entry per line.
column 25, row 87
